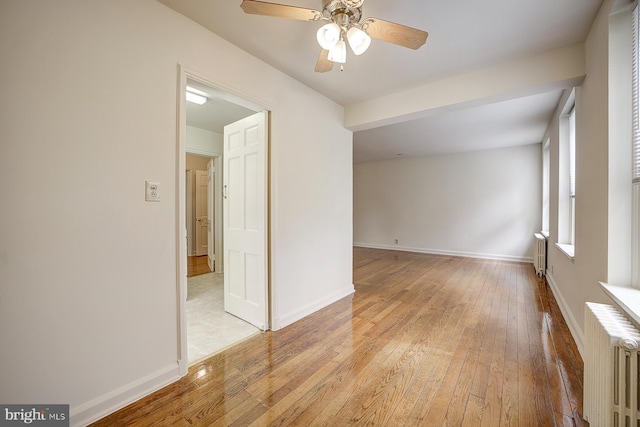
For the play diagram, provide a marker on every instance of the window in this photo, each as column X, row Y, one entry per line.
column 572, row 176
column 546, row 163
column 622, row 284
column 567, row 178
column 635, row 152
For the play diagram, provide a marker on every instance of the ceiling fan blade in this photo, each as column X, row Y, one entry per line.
column 255, row 7
column 323, row 65
column 395, row 33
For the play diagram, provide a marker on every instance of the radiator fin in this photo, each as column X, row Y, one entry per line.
column 611, row 375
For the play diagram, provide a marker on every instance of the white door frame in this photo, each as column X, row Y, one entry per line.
column 181, row 234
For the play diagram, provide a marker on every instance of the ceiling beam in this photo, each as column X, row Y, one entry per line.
column 553, row 70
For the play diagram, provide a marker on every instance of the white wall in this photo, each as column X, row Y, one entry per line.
column 87, row 267
column 312, row 227
column 204, row 142
column 481, row 204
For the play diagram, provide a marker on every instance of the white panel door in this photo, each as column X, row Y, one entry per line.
column 210, row 206
column 202, row 200
column 245, row 219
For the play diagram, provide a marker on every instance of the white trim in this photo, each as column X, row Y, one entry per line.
column 496, row 257
column 181, row 239
column 635, row 236
column 183, row 365
column 119, row 398
column 568, row 250
column 203, row 153
column 574, row 326
column 281, row 322
column 623, row 6
column 628, row 299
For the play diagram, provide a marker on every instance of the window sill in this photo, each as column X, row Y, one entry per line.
column 568, row 250
column 627, row 298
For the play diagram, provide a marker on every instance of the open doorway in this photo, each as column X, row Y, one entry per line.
column 200, row 213
column 209, row 328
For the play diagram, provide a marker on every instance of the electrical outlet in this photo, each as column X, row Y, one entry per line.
column 152, row 191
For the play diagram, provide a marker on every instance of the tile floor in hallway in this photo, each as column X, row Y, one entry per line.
column 209, row 328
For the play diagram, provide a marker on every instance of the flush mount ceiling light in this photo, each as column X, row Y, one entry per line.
column 343, row 22
column 196, row 96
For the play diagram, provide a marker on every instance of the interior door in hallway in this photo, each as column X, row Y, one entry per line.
column 210, row 206
column 245, row 219
column 202, row 190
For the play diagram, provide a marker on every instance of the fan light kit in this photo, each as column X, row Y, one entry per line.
column 343, row 21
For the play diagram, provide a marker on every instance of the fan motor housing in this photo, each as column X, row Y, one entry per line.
column 350, row 8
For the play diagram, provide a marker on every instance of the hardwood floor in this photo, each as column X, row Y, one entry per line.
column 197, row 265
column 425, row 341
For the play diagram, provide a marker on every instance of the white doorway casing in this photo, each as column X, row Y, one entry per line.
column 216, row 155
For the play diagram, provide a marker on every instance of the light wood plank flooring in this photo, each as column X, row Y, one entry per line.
column 425, row 341
column 197, row 265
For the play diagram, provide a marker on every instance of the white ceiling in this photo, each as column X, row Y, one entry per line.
column 219, row 110
column 520, row 121
column 464, row 35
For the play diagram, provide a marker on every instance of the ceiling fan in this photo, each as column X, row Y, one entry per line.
column 343, row 22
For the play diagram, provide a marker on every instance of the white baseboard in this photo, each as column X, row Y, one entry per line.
column 574, row 327
column 286, row 320
column 123, row 396
column 443, row 252
column 183, row 366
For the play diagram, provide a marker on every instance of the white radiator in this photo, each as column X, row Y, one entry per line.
column 610, row 368
column 540, row 254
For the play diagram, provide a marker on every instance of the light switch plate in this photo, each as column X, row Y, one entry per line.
column 152, row 191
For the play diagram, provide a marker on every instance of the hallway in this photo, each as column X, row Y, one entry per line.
column 209, row 328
